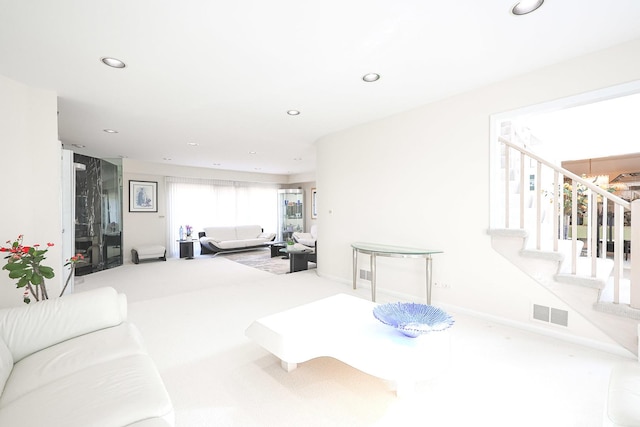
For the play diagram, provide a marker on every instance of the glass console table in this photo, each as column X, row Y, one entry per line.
column 375, row 250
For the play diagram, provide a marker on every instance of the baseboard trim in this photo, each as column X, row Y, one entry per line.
column 616, row 349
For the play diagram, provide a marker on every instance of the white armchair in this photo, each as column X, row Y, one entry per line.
column 307, row 239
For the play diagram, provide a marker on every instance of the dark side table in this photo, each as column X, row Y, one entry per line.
column 186, row 248
column 275, row 248
column 298, row 260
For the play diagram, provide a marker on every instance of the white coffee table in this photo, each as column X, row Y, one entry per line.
column 343, row 327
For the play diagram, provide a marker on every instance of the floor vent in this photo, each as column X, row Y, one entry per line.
column 365, row 274
column 551, row 315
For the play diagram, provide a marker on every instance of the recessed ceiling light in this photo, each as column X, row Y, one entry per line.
column 192, row 144
column 109, row 131
column 371, row 77
column 112, row 62
column 293, row 112
column 253, row 152
column 79, row 145
column 526, row 6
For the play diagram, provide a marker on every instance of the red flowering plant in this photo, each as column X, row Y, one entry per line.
column 24, row 264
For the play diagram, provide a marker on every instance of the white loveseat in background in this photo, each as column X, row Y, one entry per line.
column 75, row 361
column 221, row 239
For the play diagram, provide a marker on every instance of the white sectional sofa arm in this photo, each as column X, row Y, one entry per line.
column 31, row 328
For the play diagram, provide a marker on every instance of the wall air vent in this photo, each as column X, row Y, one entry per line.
column 559, row 317
column 551, row 315
column 540, row 312
column 365, row 274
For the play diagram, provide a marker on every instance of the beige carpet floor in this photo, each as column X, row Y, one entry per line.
column 193, row 314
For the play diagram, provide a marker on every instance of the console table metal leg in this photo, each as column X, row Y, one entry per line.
column 429, row 276
column 355, row 266
column 372, row 261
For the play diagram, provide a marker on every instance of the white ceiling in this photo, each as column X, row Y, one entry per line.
column 223, row 74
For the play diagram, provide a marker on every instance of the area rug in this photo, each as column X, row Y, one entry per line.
column 261, row 259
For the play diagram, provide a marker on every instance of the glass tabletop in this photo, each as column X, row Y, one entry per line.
column 296, row 251
column 390, row 249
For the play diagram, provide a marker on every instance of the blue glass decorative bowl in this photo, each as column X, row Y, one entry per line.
column 413, row 319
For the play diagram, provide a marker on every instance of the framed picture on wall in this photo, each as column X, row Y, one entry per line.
column 143, row 196
column 314, row 206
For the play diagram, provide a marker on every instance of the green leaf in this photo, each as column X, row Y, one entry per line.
column 16, row 274
column 46, row 271
column 14, row 266
column 37, row 279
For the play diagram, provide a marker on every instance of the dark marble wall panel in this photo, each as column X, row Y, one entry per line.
column 98, row 214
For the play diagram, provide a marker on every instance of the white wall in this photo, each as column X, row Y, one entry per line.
column 31, row 178
column 389, row 181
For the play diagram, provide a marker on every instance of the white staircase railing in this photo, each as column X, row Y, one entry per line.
column 580, row 199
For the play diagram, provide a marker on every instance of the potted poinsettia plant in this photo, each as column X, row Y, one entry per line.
column 24, row 263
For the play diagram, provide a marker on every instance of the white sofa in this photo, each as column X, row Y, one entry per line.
column 76, row 361
column 222, row 239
